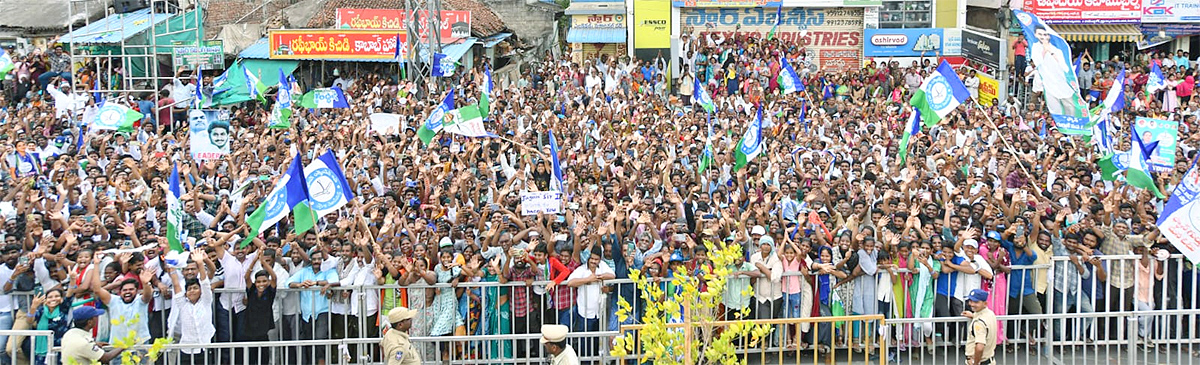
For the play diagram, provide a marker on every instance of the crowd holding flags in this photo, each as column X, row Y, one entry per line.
column 308, row 193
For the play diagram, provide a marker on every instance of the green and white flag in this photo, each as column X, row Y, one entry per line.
column 290, row 190
column 913, row 127
column 6, row 64
column 751, row 144
column 465, row 121
column 433, row 123
column 1138, row 173
column 116, row 117
column 941, row 92
column 175, row 213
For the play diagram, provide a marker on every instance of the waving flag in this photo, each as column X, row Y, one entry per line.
column 1155, row 83
column 487, row 78
column 778, row 20
column 789, row 80
column 398, row 47
column 1052, row 55
column 556, row 184
column 325, row 98
column 465, row 121
column 433, row 124
column 751, row 144
column 254, row 85
column 6, row 64
column 1115, row 100
column 198, row 99
column 281, row 112
column 706, row 157
column 701, row 97
column 1138, row 173
column 116, row 117
column 913, row 128
column 941, row 92
column 175, row 235
column 289, row 191
column 328, row 190
column 1180, row 218
column 97, row 97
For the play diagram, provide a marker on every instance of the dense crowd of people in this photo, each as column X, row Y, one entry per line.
column 831, row 222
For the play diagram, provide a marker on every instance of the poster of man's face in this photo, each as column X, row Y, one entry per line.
column 210, row 133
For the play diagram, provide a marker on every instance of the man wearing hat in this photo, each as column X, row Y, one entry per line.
column 78, row 346
column 554, row 339
column 981, row 339
column 395, row 344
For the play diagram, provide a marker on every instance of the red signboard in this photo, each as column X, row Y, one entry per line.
column 455, row 24
column 1085, row 11
column 333, row 44
column 839, row 59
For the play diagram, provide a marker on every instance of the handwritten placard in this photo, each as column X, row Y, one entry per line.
column 534, row 202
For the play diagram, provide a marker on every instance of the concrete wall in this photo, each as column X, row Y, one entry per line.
column 530, row 23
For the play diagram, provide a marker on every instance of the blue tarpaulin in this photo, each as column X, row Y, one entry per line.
column 115, row 28
column 594, row 35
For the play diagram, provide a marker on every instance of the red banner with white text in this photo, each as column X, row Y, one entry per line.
column 334, row 44
column 455, row 24
column 1086, row 11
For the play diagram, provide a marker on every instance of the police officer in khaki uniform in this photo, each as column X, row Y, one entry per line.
column 78, row 346
column 396, row 347
column 981, row 339
column 554, row 339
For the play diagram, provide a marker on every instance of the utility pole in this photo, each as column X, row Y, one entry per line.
column 423, row 29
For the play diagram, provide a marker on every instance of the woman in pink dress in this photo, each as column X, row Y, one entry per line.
column 997, row 258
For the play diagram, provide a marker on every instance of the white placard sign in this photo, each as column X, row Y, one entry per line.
column 548, row 202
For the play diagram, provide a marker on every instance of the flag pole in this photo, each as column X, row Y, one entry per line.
column 1009, row 147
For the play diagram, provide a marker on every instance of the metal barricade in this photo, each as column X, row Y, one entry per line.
column 25, row 346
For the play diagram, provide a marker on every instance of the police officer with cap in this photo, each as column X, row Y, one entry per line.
column 554, row 339
column 78, row 346
column 396, row 346
column 981, row 339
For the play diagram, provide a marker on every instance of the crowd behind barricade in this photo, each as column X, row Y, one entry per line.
column 991, row 198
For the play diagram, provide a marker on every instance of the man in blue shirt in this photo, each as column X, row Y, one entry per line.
column 314, row 305
column 946, row 304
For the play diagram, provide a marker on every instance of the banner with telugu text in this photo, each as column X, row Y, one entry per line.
column 833, row 37
column 333, row 44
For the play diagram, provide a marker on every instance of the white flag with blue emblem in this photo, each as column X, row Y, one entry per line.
column 327, row 186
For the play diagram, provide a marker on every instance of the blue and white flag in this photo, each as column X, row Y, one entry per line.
column 789, row 80
column 1156, row 81
column 434, row 123
column 442, row 65
column 198, row 99
column 1180, row 218
column 556, row 184
column 254, row 86
column 1115, row 100
column 701, row 97
column 175, row 234
column 325, row 98
column 289, row 191
column 328, row 189
column 487, row 78
column 396, row 55
column 750, row 146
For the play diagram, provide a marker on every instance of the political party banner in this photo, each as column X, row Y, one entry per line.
column 209, row 133
column 989, row 90
column 1052, row 56
column 1180, row 219
column 1166, row 133
column 208, row 55
column 534, row 202
column 1170, row 11
column 336, row 44
column 455, row 24
column 1086, row 11
column 838, row 31
column 651, row 28
column 902, row 42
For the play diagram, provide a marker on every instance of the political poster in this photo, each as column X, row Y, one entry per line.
column 989, row 90
column 1052, row 56
column 534, row 202
column 1180, row 219
column 832, row 37
column 209, row 133
column 1166, row 133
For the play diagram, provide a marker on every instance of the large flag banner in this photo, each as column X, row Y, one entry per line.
column 325, row 98
column 465, row 121
column 910, row 130
column 116, row 117
column 6, row 64
column 1180, row 219
column 1156, row 81
column 1115, row 100
column 328, row 190
column 556, row 183
column 789, row 80
column 701, row 97
column 941, row 92
column 289, row 191
column 281, row 112
column 209, row 133
column 1166, row 133
column 433, row 124
column 1052, row 56
column 1138, row 174
column 751, row 144
column 175, row 212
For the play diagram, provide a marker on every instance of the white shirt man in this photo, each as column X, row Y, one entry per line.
column 589, row 297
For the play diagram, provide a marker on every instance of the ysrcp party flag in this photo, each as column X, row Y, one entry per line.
column 1180, row 219
column 210, row 133
column 281, row 112
column 175, row 212
column 701, row 97
column 332, row 97
column 433, row 124
column 751, row 144
column 465, row 121
column 789, row 80
column 328, row 190
column 6, row 64
column 941, row 92
column 1156, row 81
column 253, row 85
column 913, row 127
column 1051, row 57
column 1139, row 170
column 116, row 117
column 556, row 183
column 289, row 191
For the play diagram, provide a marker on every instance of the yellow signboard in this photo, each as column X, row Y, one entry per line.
column 988, row 90
column 652, row 24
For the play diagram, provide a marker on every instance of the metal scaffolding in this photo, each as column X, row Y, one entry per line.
column 420, row 70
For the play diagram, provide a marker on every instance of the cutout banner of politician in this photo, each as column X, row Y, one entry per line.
column 1051, row 57
column 832, row 37
column 1166, row 133
column 209, row 133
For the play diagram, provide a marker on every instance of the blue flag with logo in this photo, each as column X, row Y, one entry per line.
column 1184, row 193
column 557, row 183
column 1155, row 83
column 487, row 77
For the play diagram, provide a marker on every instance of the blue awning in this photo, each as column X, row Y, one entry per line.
column 454, row 51
column 596, row 35
column 492, row 41
column 116, row 28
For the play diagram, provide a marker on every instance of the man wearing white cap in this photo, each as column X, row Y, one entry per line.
column 396, row 347
column 554, row 339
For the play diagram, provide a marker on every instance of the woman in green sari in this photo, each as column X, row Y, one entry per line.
column 925, row 270
column 497, row 315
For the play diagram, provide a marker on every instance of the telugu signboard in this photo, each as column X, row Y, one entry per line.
column 981, row 48
column 455, row 24
column 335, row 44
column 208, row 55
column 1086, row 11
column 598, row 21
column 1170, row 11
column 835, row 33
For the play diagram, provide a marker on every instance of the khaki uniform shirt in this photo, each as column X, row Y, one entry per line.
column 566, row 357
column 398, row 350
column 983, row 330
column 78, row 345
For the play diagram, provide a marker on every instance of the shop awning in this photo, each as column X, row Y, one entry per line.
column 115, row 28
column 454, row 51
column 492, row 41
column 596, row 35
column 1099, row 32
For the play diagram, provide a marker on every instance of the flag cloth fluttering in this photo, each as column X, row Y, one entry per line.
column 941, row 92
